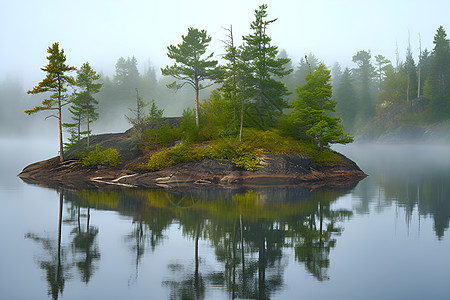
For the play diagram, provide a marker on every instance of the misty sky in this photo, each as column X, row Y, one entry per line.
column 101, row 31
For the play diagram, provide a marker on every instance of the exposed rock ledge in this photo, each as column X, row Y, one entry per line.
column 274, row 170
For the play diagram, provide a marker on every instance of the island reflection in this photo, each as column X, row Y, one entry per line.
column 248, row 230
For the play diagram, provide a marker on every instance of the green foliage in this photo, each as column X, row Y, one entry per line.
column 264, row 66
column 155, row 113
column 97, row 156
column 347, row 106
column 56, row 82
column 437, row 87
column 311, row 108
column 169, row 157
column 364, row 74
column 83, row 105
column 190, row 68
column 188, row 126
column 242, row 155
column 245, row 157
column 217, row 117
column 138, row 119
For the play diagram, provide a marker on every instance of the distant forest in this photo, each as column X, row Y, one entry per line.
column 373, row 86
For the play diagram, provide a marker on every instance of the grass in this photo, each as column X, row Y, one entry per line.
column 244, row 154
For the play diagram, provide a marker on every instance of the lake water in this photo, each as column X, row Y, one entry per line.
column 385, row 238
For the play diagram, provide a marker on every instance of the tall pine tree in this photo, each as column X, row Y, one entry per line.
column 190, row 66
column 56, row 82
column 84, row 105
column 264, row 65
column 437, row 86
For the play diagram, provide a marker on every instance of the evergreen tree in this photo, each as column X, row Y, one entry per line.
column 411, row 73
column 364, row 75
column 127, row 75
column 265, row 65
column 190, row 68
column 336, row 74
column 424, row 63
column 312, row 108
column 393, row 88
column 229, row 74
column 56, row 82
column 290, row 79
column 307, row 65
column 84, row 105
column 139, row 118
column 383, row 64
column 347, row 103
column 437, row 86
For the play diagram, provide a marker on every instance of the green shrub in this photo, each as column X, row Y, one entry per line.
column 170, row 157
column 246, row 158
column 188, row 126
column 97, row 156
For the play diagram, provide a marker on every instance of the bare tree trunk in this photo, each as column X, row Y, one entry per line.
column 242, row 114
column 87, row 118
column 407, row 91
column 196, row 104
column 61, row 149
column 418, row 84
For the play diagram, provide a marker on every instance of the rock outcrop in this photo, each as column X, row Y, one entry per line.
column 273, row 170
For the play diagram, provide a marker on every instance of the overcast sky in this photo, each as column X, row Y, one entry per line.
column 101, row 31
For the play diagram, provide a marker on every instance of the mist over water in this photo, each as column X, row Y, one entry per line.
column 392, row 227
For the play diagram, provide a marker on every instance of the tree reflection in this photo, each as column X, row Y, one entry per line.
column 250, row 232
column 83, row 245
column 55, row 265
column 414, row 178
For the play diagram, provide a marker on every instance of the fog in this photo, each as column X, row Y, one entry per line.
column 102, row 31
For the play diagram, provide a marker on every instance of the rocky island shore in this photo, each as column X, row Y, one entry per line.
column 283, row 169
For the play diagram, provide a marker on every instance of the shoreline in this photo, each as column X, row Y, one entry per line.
column 290, row 169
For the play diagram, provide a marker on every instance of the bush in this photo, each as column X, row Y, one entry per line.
column 97, row 156
column 170, row 157
column 246, row 158
column 188, row 126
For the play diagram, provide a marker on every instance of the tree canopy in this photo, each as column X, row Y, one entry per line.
column 56, row 82
column 190, row 66
column 310, row 117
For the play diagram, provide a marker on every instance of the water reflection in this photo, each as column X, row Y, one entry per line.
column 412, row 177
column 82, row 252
column 54, row 263
column 249, row 231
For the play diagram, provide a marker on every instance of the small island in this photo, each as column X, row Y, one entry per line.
column 248, row 132
column 282, row 162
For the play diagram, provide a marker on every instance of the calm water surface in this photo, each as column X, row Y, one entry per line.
column 385, row 238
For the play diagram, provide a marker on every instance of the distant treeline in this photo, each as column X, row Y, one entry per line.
column 372, row 87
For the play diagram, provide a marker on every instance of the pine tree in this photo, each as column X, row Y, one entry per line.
column 229, row 74
column 139, row 118
column 347, row 103
column 190, row 67
column 307, row 65
column 84, row 105
column 437, row 86
column 364, row 75
column 312, row 107
column 411, row 72
column 265, row 66
column 383, row 64
column 56, row 82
